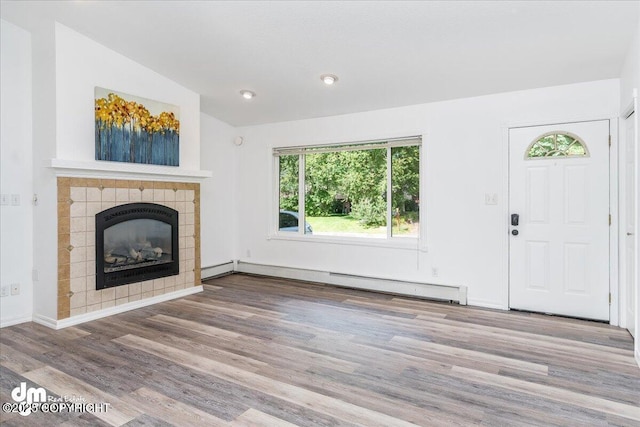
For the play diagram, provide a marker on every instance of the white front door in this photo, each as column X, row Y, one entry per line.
column 629, row 226
column 559, row 249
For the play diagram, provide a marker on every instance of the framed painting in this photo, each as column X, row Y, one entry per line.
column 136, row 130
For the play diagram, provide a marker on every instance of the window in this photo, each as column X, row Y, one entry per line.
column 369, row 189
column 405, row 182
column 556, row 144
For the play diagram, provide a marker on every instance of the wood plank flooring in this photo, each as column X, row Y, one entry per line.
column 255, row 351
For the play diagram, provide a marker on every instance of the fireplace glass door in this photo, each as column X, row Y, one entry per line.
column 135, row 242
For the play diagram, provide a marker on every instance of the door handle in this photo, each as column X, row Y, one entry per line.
column 515, row 218
column 629, row 233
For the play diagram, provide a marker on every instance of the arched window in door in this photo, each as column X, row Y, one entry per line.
column 557, row 144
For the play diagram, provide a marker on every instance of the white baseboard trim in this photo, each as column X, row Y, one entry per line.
column 487, row 304
column 399, row 287
column 99, row 314
column 45, row 321
column 15, row 321
column 638, row 357
column 217, row 270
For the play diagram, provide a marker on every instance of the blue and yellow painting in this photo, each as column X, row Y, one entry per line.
column 136, row 130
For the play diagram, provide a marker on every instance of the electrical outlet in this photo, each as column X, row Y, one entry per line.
column 490, row 199
column 15, row 289
column 4, row 291
column 434, row 272
column 248, row 253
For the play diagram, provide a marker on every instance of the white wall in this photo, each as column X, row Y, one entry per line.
column 16, row 244
column 81, row 65
column 217, row 194
column 630, row 76
column 465, row 157
column 45, row 293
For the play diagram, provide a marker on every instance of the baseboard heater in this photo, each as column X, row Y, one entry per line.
column 400, row 287
column 217, row 270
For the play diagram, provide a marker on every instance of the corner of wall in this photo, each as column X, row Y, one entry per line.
column 45, row 253
column 16, row 146
column 218, row 154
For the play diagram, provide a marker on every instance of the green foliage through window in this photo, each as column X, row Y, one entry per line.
column 557, row 145
column 370, row 213
column 288, row 183
column 335, row 182
column 345, row 188
column 405, row 182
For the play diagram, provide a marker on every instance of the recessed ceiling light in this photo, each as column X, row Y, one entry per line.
column 329, row 79
column 247, row 94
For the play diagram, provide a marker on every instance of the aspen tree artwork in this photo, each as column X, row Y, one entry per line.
column 136, row 130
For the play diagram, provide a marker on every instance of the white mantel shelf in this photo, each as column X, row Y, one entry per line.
column 82, row 169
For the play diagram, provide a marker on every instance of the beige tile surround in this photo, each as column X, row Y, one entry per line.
column 79, row 199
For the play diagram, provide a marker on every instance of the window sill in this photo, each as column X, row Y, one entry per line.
column 403, row 243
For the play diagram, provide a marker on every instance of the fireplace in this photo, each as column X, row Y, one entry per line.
column 135, row 242
column 79, row 200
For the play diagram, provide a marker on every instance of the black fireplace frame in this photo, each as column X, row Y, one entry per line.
column 128, row 212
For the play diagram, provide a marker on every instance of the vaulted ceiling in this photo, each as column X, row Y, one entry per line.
column 386, row 54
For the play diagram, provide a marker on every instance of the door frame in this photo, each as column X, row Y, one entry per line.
column 614, row 281
column 626, row 113
column 633, row 107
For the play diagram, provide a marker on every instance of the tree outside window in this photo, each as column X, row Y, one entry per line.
column 346, row 191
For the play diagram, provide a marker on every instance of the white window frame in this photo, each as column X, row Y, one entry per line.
column 400, row 242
